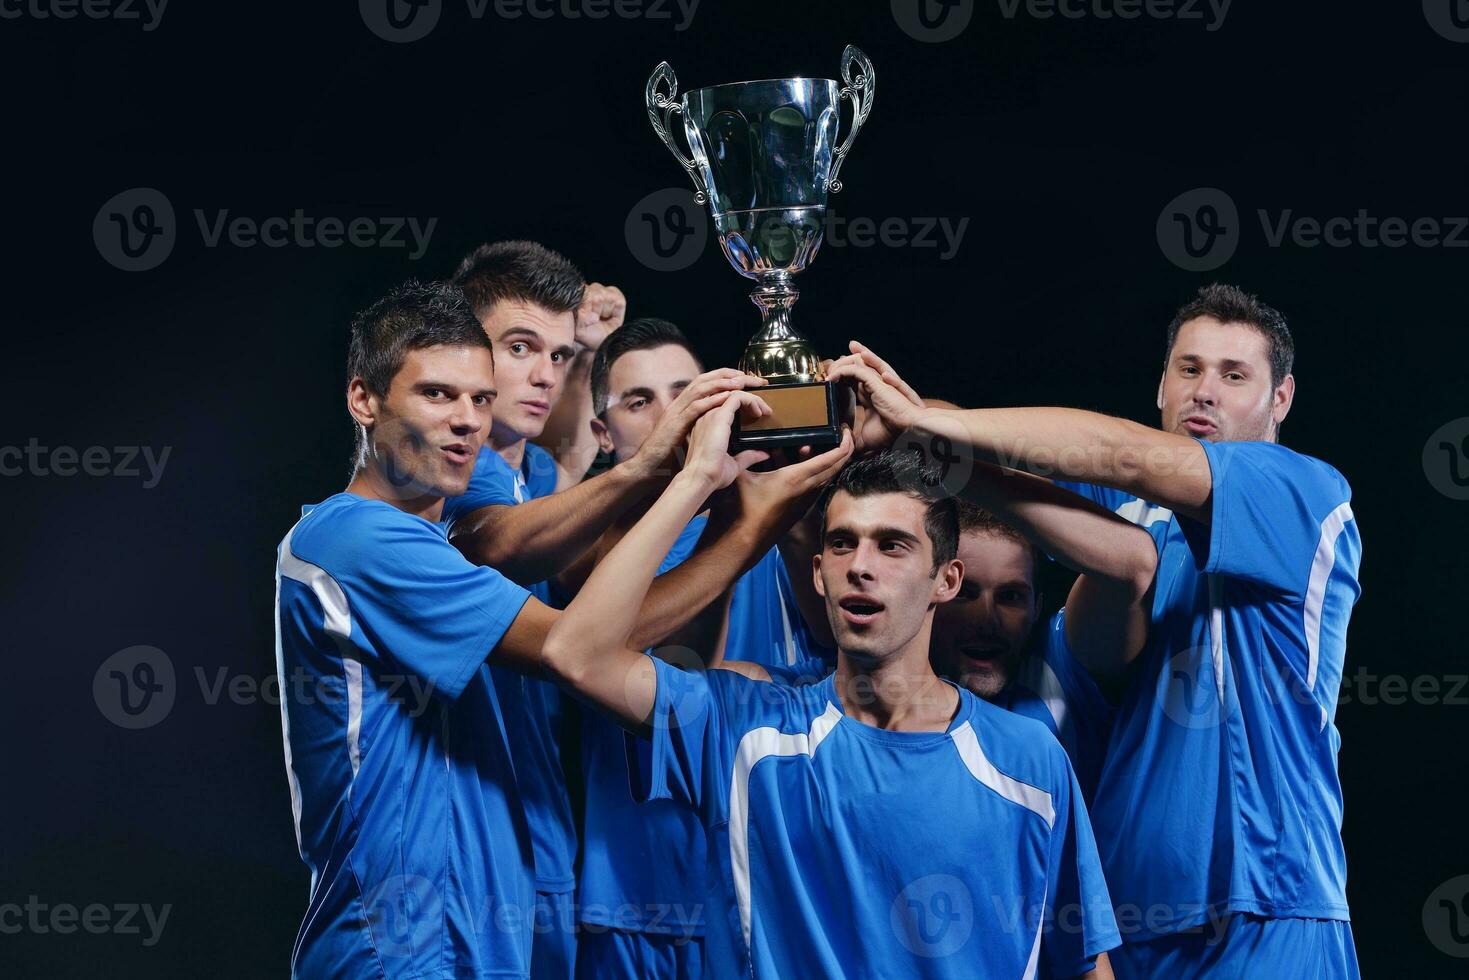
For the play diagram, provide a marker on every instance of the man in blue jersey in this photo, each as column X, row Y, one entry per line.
column 406, row 800
column 880, row 822
column 987, row 640
column 642, row 900
column 545, row 326
column 1219, row 809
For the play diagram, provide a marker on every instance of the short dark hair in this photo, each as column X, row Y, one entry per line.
column 974, row 519
column 411, row 317
column 522, row 271
column 905, row 472
column 644, row 333
column 1230, row 304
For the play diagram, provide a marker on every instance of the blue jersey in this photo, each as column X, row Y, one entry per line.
column 643, row 864
column 404, row 795
column 838, row 849
column 1054, row 689
column 532, row 707
column 1220, row 792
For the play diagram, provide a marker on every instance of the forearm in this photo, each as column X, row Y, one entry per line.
column 1082, row 535
column 568, row 432
column 1085, row 447
column 536, row 540
column 591, row 648
column 682, row 593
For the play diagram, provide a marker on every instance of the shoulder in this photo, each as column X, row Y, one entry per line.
column 1019, row 747
column 541, row 472
column 1271, row 459
column 346, row 531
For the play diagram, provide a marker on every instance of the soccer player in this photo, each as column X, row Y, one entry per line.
column 542, row 322
column 1219, row 811
column 881, row 822
column 406, row 800
column 986, row 638
column 642, row 897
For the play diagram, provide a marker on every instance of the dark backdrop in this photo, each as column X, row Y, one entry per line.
column 1060, row 141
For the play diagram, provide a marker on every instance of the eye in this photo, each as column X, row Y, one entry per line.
column 1188, row 370
column 433, row 394
column 518, row 348
column 558, row 357
column 635, row 404
column 892, row 547
column 1012, row 595
column 482, row 400
column 1235, row 376
column 839, row 544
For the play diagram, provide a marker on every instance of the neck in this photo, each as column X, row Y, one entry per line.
column 897, row 693
column 372, row 483
column 509, row 445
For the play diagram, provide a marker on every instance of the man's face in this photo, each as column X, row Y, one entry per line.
column 428, row 429
column 641, row 384
column 980, row 638
column 876, row 573
column 533, row 348
column 1216, row 385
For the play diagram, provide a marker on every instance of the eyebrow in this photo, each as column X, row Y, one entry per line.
column 635, row 392
column 1227, row 363
column 884, row 533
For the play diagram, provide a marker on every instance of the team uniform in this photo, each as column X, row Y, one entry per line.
column 1054, row 689
column 533, row 716
column 1220, row 808
column 405, row 800
column 838, row 849
column 643, row 895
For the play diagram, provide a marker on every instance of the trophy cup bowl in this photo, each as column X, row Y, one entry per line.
column 763, row 157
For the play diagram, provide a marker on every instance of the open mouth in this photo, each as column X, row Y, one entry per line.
column 1200, row 425
column 459, row 453
column 985, row 653
column 860, row 610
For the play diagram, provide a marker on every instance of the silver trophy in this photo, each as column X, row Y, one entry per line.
column 764, row 156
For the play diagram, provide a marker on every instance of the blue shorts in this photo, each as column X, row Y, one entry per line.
column 1251, row 948
column 553, row 939
column 610, row 954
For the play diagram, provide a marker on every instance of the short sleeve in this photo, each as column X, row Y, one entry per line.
column 1272, row 510
column 1080, row 924
column 422, row 605
column 492, row 483
column 681, row 760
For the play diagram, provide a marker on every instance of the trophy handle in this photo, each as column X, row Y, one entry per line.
column 661, row 109
column 860, row 90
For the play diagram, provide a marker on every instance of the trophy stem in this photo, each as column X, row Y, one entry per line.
column 778, row 353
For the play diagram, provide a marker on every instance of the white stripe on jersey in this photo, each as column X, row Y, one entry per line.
column 757, row 744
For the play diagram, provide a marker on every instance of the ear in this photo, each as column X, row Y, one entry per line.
column 1161, row 378
column 603, row 437
column 364, row 406
column 1282, row 399
column 949, row 579
column 816, row 575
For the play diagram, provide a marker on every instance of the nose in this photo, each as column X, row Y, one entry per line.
column 859, row 571
column 1203, row 394
column 543, row 375
column 464, row 419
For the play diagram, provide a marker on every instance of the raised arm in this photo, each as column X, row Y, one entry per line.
column 1087, row 447
column 536, row 540
column 1110, row 605
column 568, row 432
column 591, row 649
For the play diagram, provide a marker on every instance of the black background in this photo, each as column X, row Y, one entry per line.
column 1060, row 140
